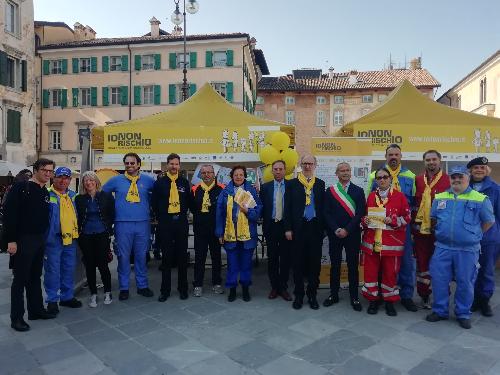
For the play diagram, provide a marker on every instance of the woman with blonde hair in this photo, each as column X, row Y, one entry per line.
column 96, row 214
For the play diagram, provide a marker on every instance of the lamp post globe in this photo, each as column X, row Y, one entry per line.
column 177, row 18
column 192, row 6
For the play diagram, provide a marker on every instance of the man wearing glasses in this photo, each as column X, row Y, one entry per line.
column 26, row 222
column 403, row 180
column 304, row 224
column 204, row 206
column 132, row 223
column 459, row 216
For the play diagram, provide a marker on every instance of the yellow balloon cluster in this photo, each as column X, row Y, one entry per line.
column 277, row 149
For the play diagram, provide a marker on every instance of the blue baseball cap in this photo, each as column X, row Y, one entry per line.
column 459, row 169
column 62, row 171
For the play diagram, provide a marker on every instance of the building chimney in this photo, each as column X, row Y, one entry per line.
column 177, row 31
column 89, row 33
column 416, row 63
column 353, row 77
column 83, row 32
column 330, row 72
column 155, row 27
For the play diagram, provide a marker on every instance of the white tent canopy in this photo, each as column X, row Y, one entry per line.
column 13, row 168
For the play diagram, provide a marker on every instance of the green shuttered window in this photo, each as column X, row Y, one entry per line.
column 137, row 95
column 229, row 57
column 93, row 96
column 172, row 94
column 105, row 96
column 124, row 95
column 74, row 94
column 192, row 59
column 13, row 126
column 157, row 61
column 172, row 60
column 138, row 62
column 105, row 63
column 124, row 63
column 157, row 93
column 208, row 59
column 229, row 92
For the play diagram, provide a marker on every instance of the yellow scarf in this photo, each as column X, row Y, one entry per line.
column 377, row 240
column 67, row 217
column 394, row 174
column 424, row 210
column 242, row 229
column 133, row 191
column 308, row 186
column 174, row 205
column 206, row 196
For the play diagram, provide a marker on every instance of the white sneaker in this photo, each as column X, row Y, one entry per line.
column 93, row 300
column 218, row 289
column 198, row 291
column 108, row 298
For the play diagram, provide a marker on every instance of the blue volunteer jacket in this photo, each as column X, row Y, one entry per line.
column 54, row 231
column 459, row 219
column 253, row 215
column 492, row 190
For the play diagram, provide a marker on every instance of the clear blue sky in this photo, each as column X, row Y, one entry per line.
column 452, row 36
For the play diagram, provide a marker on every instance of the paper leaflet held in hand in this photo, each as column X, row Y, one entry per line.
column 244, row 198
column 376, row 216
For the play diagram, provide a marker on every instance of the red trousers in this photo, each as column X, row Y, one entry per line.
column 388, row 268
column 424, row 248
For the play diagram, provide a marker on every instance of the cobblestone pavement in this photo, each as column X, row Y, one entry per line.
column 208, row 336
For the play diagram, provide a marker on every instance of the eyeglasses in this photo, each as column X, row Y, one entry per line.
column 49, row 171
column 382, row 178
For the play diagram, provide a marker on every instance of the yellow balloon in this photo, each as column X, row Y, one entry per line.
column 290, row 157
column 267, row 175
column 280, row 141
column 289, row 176
column 268, row 138
column 268, row 154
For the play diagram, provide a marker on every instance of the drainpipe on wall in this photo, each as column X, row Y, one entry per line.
column 243, row 76
column 129, row 82
column 39, row 146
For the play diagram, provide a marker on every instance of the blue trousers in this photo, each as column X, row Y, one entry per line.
column 132, row 237
column 59, row 264
column 485, row 284
column 239, row 261
column 407, row 275
column 446, row 264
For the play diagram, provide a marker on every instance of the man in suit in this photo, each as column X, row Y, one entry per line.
column 304, row 224
column 272, row 194
column 345, row 204
column 171, row 200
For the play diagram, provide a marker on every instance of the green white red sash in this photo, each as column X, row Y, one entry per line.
column 343, row 198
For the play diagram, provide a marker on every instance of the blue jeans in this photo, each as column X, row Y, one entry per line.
column 239, row 262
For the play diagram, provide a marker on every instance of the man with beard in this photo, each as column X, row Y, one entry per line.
column 490, row 244
column 171, row 201
column 132, row 223
column 460, row 216
column 403, row 180
column 428, row 184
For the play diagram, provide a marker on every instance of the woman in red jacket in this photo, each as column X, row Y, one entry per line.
column 383, row 242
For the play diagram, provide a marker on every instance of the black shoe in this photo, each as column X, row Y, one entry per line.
column 464, row 323
column 333, row 298
column 313, row 302
column 297, row 303
column 145, row 292
column 20, row 325
column 183, row 295
column 231, row 297
column 73, row 303
column 246, row 293
column 356, row 305
column 372, row 308
column 433, row 317
column 475, row 304
column 163, row 297
column 42, row 314
column 484, row 306
column 389, row 309
column 409, row 305
column 53, row 308
column 123, row 296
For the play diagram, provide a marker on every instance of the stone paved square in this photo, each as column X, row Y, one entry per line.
column 209, row 336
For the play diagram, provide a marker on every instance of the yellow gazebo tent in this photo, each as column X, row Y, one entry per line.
column 418, row 123
column 205, row 124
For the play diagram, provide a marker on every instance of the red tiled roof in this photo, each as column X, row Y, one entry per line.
column 379, row 79
column 140, row 40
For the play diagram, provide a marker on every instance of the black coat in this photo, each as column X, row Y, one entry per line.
column 267, row 198
column 106, row 204
column 295, row 203
column 336, row 216
column 161, row 195
column 204, row 222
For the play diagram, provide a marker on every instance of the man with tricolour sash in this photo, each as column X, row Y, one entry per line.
column 344, row 206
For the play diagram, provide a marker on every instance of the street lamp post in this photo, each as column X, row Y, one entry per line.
column 177, row 18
